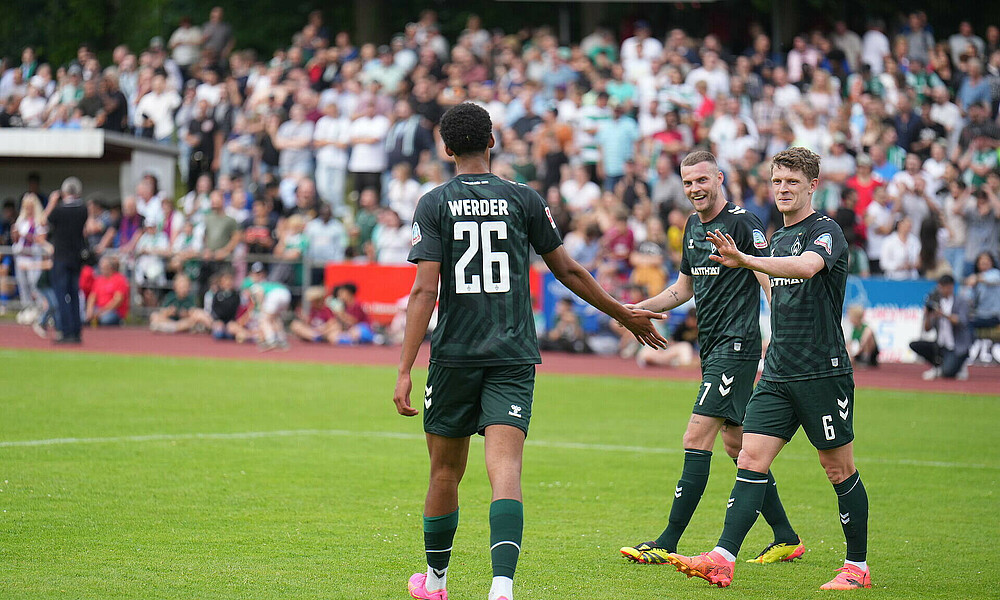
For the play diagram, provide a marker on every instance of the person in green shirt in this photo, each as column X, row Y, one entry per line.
column 268, row 300
column 471, row 241
column 179, row 312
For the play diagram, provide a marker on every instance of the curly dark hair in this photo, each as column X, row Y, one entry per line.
column 466, row 129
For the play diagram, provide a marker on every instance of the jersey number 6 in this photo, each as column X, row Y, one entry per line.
column 465, row 284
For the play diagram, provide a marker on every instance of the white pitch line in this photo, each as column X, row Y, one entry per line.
column 285, row 433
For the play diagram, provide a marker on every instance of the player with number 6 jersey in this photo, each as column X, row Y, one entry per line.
column 471, row 240
column 728, row 302
column 807, row 380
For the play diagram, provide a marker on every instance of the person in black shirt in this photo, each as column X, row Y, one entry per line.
column 66, row 215
column 115, row 103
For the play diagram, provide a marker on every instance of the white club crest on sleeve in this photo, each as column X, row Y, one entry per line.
column 415, row 234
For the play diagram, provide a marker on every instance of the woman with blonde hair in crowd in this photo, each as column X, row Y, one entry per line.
column 28, row 234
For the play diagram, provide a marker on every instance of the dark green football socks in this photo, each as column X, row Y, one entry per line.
column 774, row 513
column 506, row 525
column 687, row 494
column 439, row 532
column 853, row 501
column 744, row 504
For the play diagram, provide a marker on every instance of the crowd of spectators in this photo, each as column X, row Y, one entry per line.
column 322, row 150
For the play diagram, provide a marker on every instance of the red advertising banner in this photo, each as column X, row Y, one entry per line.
column 381, row 287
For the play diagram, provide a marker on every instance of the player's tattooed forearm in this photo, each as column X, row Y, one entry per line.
column 674, row 294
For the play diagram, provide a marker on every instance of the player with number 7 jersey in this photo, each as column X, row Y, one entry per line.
column 471, row 242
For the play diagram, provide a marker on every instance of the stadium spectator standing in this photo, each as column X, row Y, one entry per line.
column 66, row 215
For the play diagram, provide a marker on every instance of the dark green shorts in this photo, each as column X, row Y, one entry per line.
column 824, row 408
column 461, row 401
column 726, row 386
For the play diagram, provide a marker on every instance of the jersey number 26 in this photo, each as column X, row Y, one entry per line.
column 495, row 283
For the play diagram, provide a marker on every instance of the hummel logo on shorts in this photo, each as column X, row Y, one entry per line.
column 515, row 411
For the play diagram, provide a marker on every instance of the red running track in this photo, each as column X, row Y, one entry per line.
column 133, row 341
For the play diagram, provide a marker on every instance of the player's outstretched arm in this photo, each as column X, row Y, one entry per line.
column 680, row 292
column 423, row 297
column 581, row 283
column 804, row 266
column 765, row 284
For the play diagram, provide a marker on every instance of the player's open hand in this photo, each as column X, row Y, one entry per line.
column 401, row 396
column 640, row 322
column 728, row 254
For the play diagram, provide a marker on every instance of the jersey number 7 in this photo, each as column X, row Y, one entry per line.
column 466, row 284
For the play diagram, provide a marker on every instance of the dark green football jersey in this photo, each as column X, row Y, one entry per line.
column 807, row 339
column 728, row 300
column 479, row 227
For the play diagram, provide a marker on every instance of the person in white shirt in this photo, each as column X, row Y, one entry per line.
column 185, row 43
column 849, row 43
column 879, row 220
column 960, row 42
column 294, row 143
column 158, row 105
column 404, row 192
column 147, row 202
column 725, row 129
column 580, row 193
column 32, row 107
column 785, row 94
column 327, row 237
column 391, row 239
column 946, row 113
column 900, row 252
column 210, row 90
column 368, row 156
column 713, row 72
column 330, row 138
column 908, row 190
column 651, row 47
column 875, row 47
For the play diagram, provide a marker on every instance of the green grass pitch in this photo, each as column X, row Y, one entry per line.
column 148, row 477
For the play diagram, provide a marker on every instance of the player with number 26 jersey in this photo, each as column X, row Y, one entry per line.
column 479, row 228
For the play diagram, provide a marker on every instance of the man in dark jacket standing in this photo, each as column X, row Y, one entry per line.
column 67, row 215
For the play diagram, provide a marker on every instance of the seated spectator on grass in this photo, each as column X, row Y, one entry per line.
column 353, row 324
column 107, row 303
column 223, row 304
column 268, row 300
column 683, row 350
column 567, row 334
column 315, row 322
column 178, row 311
column 861, row 342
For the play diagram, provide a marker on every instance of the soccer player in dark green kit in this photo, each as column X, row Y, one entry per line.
column 472, row 236
column 729, row 336
column 807, row 379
